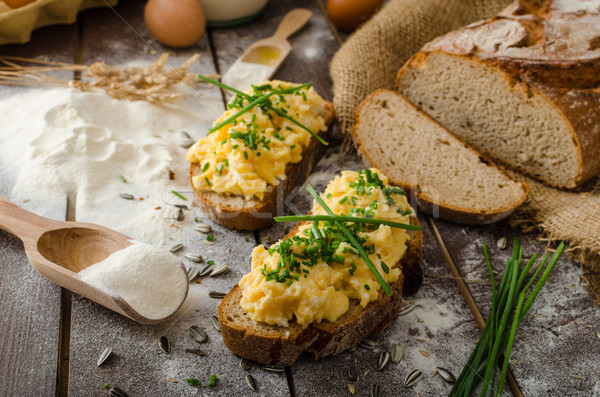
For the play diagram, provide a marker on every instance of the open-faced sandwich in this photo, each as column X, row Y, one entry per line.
column 265, row 144
column 335, row 279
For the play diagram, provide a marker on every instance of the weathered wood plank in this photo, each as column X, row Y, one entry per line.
column 30, row 308
column 557, row 341
column 138, row 366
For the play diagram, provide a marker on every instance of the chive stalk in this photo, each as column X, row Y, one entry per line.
column 342, row 218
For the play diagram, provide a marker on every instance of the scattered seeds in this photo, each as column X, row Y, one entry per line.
column 164, row 344
column 203, row 228
column 501, row 243
column 176, row 248
column 413, row 378
column 368, row 344
column 406, row 307
column 193, row 272
column 206, row 270
column 274, row 368
column 181, row 206
column 185, row 140
column 215, row 323
column 352, row 375
column 195, row 351
column 216, row 295
column 245, row 364
column 384, row 358
column 117, row 392
column 126, row 196
column 576, row 376
column 397, row 352
column 445, row 374
column 375, row 390
column 194, row 257
column 423, row 352
column 180, row 215
column 198, row 334
column 420, row 320
column 105, row 354
column 219, row 270
column 598, row 335
column 251, row 382
column 351, row 388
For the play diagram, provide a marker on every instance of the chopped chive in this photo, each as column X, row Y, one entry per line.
column 367, row 287
column 122, row 178
column 205, row 167
column 342, row 218
column 192, row 381
column 210, row 263
column 207, row 181
column 343, row 200
column 210, row 237
column 178, row 194
column 246, row 155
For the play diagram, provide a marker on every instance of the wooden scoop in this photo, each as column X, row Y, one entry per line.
column 273, row 50
column 58, row 250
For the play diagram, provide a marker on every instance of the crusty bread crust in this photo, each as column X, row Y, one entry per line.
column 272, row 344
column 427, row 204
column 237, row 213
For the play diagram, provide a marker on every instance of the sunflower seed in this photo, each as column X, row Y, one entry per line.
column 164, row 344
column 245, row 364
column 274, row 368
column 219, row 270
column 105, row 354
column 185, row 140
column 180, row 215
column 172, row 380
column 397, row 352
column 181, row 206
column 195, row 351
column 175, row 248
column 194, row 258
column 447, row 375
column 413, row 378
column 251, row 382
column 352, row 375
column 193, row 272
column 216, row 295
column 203, row 228
column 501, row 243
column 117, row 392
column 126, row 196
column 406, row 307
column 384, row 357
column 368, row 344
column 351, row 388
column 375, row 390
column 198, row 334
column 206, row 270
column 215, row 323
column 598, row 335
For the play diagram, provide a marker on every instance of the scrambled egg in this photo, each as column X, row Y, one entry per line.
column 248, row 156
column 276, row 290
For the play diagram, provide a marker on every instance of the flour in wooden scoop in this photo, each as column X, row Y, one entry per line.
column 149, row 279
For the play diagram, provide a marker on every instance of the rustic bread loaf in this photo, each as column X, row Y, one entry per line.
column 272, row 344
column 521, row 88
column 236, row 212
column 447, row 177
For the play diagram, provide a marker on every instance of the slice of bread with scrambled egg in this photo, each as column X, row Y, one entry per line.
column 241, row 172
column 324, row 299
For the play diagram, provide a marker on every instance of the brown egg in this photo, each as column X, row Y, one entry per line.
column 17, row 3
column 348, row 14
column 175, row 23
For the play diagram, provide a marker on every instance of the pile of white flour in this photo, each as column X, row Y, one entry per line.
column 59, row 143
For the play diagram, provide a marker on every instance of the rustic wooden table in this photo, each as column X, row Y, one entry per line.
column 50, row 338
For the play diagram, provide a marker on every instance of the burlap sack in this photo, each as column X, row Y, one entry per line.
column 371, row 58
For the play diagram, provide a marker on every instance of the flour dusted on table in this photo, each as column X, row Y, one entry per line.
column 149, row 279
column 60, row 143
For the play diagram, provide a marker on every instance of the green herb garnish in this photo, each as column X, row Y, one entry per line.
column 106, row 386
column 205, row 167
column 510, row 298
column 192, row 381
column 210, row 237
column 122, row 178
column 212, row 381
column 343, row 218
column 178, row 194
column 210, row 263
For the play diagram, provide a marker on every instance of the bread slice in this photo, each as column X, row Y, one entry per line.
column 520, row 88
column 447, row 177
column 235, row 212
column 272, row 344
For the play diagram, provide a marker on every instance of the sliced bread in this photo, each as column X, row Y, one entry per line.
column 236, row 212
column 272, row 344
column 521, row 88
column 446, row 176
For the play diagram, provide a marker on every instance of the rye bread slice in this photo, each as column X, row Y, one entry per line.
column 272, row 344
column 234, row 211
column 448, row 178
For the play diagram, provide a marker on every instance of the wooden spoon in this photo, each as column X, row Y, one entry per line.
column 59, row 250
column 273, row 50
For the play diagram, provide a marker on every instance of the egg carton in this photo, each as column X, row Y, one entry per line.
column 17, row 24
